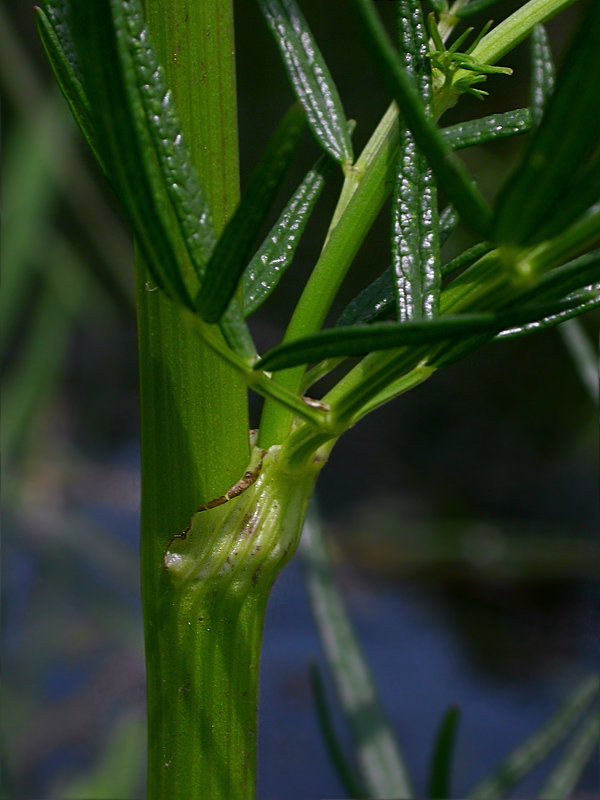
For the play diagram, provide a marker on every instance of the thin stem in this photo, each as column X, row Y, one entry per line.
column 261, row 382
column 375, row 170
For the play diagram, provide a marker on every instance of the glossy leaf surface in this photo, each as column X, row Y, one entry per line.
column 360, row 340
column 372, row 303
column 487, row 129
column 58, row 14
column 414, row 236
column 450, row 173
column 310, row 77
column 268, row 266
column 589, row 300
column 542, row 73
column 234, row 248
column 66, row 73
column 107, row 48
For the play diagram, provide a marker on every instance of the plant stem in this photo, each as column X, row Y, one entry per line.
column 220, row 577
column 194, row 423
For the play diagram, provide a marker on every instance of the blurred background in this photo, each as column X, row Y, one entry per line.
column 463, row 517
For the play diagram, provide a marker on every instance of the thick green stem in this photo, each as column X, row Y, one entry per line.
column 194, row 423
column 219, row 573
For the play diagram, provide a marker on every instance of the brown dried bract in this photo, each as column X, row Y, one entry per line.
column 310, row 401
column 236, row 490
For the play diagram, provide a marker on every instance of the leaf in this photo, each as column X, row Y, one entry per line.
column 267, row 267
column 235, row 330
column 106, row 49
column 487, row 129
column 590, row 300
column 450, row 172
column 372, row 303
column 164, row 128
column 414, row 45
column 360, row 340
column 526, row 757
column 327, row 727
column 466, row 258
column 310, row 77
column 440, row 771
column 58, row 17
column 377, row 299
column 562, row 281
column 235, row 246
column 563, row 293
column 542, row 73
column 449, row 220
column 177, row 173
column 415, row 243
column 560, row 150
column 67, row 77
column 563, row 780
column 474, row 7
column 382, row 769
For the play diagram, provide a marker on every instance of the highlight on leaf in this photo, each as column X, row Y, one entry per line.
column 235, row 246
column 310, row 77
column 275, row 255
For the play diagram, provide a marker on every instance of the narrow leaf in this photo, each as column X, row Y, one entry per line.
column 235, row 246
column 450, row 172
column 415, row 242
column 563, row 780
column 377, row 299
column 525, row 758
column 360, row 340
column 58, row 16
column 326, row 724
column 310, row 77
column 104, row 44
column 474, row 7
column 440, row 772
column 176, row 170
column 466, row 258
column 542, row 73
column 69, row 82
column 372, row 303
column 449, row 220
column 487, row 129
column 267, row 267
column 235, row 330
column 590, row 300
column 164, row 128
column 560, row 149
column 413, row 42
column 562, row 281
column 382, row 768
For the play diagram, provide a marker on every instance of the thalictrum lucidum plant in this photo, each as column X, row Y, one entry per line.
column 222, row 509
